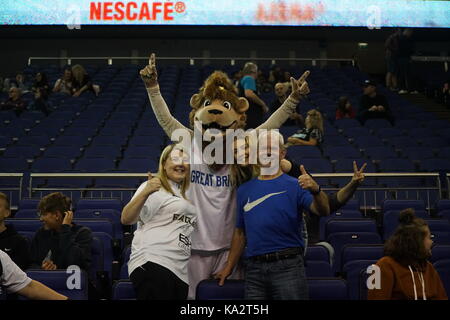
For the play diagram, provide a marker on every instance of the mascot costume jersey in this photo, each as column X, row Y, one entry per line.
column 217, row 106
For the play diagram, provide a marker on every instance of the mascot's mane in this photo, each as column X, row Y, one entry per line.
column 217, row 86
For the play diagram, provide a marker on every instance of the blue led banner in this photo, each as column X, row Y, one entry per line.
column 357, row 13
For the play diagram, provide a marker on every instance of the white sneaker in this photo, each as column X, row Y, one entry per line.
column 402, row 92
column 415, row 92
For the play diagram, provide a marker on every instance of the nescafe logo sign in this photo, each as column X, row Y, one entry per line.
column 135, row 11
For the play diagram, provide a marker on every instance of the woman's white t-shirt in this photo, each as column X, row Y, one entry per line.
column 163, row 234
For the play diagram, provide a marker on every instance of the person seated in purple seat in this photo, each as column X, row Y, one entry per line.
column 11, row 242
column 17, row 82
column 65, row 83
column 311, row 134
column 373, row 105
column 41, row 84
column 82, row 81
column 14, row 102
column 60, row 243
column 345, row 109
column 282, row 91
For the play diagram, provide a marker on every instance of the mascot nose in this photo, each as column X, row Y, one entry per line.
column 215, row 111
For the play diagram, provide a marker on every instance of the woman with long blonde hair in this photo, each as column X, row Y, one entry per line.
column 165, row 219
column 311, row 134
column 82, row 81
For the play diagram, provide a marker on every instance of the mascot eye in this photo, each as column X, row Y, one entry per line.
column 227, row 104
column 206, row 103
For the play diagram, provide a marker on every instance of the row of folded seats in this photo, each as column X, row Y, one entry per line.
column 348, row 284
column 349, row 243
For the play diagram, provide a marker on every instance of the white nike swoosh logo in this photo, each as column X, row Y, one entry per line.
column 250, row 205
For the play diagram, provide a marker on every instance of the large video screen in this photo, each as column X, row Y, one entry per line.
column 353, row 13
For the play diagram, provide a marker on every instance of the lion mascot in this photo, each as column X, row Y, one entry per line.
column 216, row 106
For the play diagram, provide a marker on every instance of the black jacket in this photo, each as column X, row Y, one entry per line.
column 70, row 246
column 15, row 246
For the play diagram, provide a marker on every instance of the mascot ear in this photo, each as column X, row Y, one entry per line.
column 242, row 105
column 195, row 101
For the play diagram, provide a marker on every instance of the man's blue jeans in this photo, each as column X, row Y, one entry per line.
column 278, row 280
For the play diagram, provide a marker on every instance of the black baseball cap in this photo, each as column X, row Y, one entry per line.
column 368, row 82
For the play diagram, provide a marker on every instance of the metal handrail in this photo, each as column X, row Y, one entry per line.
column 430, row 58
column 315, row 175
column 192, row 59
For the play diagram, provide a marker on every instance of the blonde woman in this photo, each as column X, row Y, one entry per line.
column 82, row 81
column 243, row 171
column 161, row 245
column 312, row 134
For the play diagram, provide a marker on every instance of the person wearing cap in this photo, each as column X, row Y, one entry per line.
column 373, row 105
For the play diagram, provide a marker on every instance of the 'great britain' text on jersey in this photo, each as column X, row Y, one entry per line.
column 207, row 179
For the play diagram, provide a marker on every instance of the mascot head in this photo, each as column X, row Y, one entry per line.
column 217, row 105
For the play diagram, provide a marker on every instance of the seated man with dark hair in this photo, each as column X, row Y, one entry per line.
column 11, row 242
column 373, row 105
column 60, row 243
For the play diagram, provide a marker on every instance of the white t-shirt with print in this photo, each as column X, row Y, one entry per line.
column 163, row 234
column 214, row 197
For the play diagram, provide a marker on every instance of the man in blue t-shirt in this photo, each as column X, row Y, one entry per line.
column 268, row 226
column 247, row 89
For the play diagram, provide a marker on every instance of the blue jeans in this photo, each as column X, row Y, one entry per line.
column 278, row 280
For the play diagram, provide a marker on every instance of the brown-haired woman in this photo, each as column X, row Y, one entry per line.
column 344, row 109
column 161, row 245
column 406, row 273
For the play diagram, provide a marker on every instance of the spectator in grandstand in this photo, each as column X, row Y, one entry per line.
column 282, row 91
column 247, row 89
column 269, row 227
column 11, row 242
column 443, row 94
column 391, row 48
column 405, row 51
column 15, row 281
column 237, row 76
column 41, row 85
column 311, row 134
column 345, row 109
column 17, row 82
column 60, row 243
column 406, row 273
column 287, row 76
column 276, row 75
column 14, row 102
column 161, row 245
column 373, row 105
column 40, row 102
column 262, row 85
column 82, row 81
column 65, row 83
